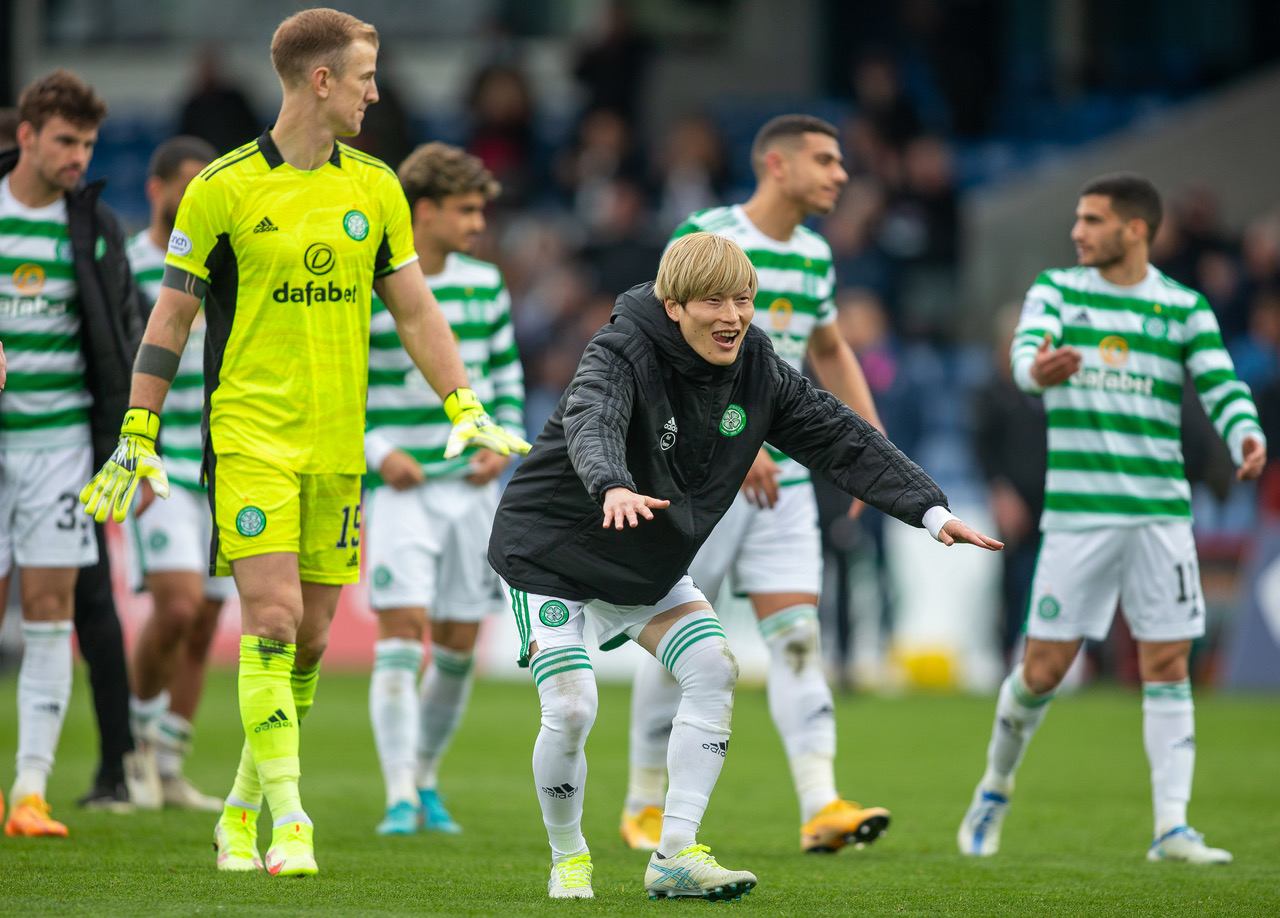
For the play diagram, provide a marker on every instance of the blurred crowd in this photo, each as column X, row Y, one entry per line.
column 589, row 202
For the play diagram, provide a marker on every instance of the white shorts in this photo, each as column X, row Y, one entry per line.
column 41, row 521
column 551, row 622
column 173, row 535
column 774, row 550
column 1151, row 570
column 428, row 548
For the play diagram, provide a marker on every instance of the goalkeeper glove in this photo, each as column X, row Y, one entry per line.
column 472, row 426
column 135, row 457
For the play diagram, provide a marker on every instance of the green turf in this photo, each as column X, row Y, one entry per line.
column 1073, row 845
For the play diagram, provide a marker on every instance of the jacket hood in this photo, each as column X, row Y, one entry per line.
column 642, row 307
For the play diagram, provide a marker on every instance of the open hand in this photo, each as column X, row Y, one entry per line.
column 956, row 531
column 624, row 504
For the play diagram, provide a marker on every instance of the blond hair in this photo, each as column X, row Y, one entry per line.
column 701, row 265
column 436, row 170
column 316, row 38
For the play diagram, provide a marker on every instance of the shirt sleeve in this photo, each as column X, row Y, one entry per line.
column 827, row 303
column 1226, row 400
column 201, row 236
column 396, row 249
column 1041, row 315
column 505, row 369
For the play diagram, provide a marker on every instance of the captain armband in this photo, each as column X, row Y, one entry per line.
column 155, row 360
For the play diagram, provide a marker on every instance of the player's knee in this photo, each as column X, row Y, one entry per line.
column 1043, row 675
column 176, row 617
column 708, row 667
column 795, row 644
column 569, row 702
column 47, row 606
column 308, row 653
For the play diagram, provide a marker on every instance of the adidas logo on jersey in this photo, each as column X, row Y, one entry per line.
column 265, row 226
column 1081, row 317
column 563, row 792
column 276, row 721
column 354, row 560
column 671, row 426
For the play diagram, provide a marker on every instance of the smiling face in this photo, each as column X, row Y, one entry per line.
column 714, row 327
column 354, row 90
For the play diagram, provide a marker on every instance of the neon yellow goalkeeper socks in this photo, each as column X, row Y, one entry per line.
column 270, row 720
column 303, row 682
column 247, row 789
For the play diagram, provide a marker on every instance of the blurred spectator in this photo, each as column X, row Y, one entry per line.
column 500, row 111
column 622, row 251
column 692, row 172
column 850, row 229
column 1260, row 258
column 920, row 233
column 1255, row 352
column 218, row 111
column 8, row 128
column 882, row 104
column 1009, row 441
column 604, row 151
column 612, row 68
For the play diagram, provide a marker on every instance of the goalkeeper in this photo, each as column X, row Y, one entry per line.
column 283, row 239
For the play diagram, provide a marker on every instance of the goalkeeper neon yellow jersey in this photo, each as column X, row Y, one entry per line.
column 285, row 261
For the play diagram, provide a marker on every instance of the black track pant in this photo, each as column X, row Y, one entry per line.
column 102, row 646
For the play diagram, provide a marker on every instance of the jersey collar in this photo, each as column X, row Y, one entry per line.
column 271, row 153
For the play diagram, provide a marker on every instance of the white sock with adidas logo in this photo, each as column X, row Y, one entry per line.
column 695, row 651
column 567, row 690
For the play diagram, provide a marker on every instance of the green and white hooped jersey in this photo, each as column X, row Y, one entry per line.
column 1115, row 449
column 796, row 295
column 404, row 410
column 180, row 443
column 44, row 403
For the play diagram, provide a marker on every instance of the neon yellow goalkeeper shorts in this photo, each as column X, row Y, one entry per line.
column 259, row 508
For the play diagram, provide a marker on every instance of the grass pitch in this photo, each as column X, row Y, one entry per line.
column 1074, row 843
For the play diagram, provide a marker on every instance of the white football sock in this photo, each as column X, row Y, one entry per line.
column 44, row 690
column 697, row 654
column 567, row 691
column 173, row 736
column 393, row 711
column 1169, row 733
column 1018, row 713
column 144, row 714
column 655, row 698
column 446, row 686
column 801, row 705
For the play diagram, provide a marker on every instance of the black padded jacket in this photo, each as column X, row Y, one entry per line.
column 111, row 309
column 645, row 412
